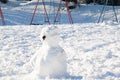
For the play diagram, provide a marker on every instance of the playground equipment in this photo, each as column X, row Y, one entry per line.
column 2, row 17
column 56, row 14
column 103, row 10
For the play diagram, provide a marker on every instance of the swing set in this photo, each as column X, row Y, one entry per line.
column 2, row 17
column 101, row 17
column 56, row 14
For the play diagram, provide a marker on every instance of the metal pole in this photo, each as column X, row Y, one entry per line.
column 34, row 12
column 114, row 11
column 57, row 12
column 46, row 12
column 105, row 3
column 2, row 17
column 69, row 15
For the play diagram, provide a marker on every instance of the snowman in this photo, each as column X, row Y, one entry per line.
column 50, row 59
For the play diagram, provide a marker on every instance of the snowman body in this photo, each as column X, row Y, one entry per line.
column 50, row 60
column 54, row 65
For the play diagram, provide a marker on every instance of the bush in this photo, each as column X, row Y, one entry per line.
column 89, row 1
column 71, row 1
column 4, row 1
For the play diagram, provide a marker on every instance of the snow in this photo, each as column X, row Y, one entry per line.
column 92, row 49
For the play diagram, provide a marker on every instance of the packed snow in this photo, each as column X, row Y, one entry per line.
column 92, row 49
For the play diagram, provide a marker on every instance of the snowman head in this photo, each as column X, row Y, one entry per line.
column 50, row 36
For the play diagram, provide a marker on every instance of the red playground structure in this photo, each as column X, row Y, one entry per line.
column 56, row 14
column 1, row 16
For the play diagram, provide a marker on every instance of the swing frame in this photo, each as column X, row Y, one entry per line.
column 56, row 15
column 103, row 10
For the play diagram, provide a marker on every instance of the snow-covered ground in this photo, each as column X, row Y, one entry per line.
column 93, row 50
